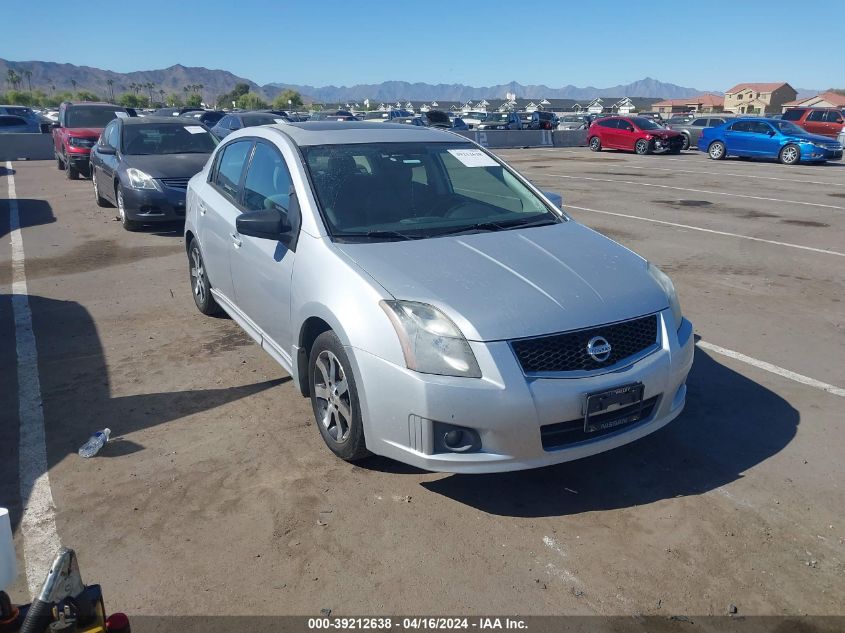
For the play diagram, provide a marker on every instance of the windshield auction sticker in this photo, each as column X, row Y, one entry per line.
column 195, row 129
column 473, row 158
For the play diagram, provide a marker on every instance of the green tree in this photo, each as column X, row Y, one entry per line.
column 194, row 100
column 251, row 101
column 287, row 99
column 174, row 100
column 18, row 97
column 84, row 95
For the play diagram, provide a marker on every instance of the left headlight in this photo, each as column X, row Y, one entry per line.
column 140, row 180
column 669, row 288
column 431, row 342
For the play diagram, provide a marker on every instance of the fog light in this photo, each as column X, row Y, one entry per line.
column 449, row 438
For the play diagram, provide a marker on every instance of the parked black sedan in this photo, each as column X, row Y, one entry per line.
column 143, row 165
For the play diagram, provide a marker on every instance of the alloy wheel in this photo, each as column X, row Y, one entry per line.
column 197, row 275
column 716, row 150
column 121, row 209
column 331, row 390
column 790, row 154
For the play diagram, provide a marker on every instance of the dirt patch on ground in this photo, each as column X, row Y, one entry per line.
column 94, row 255
column 805, row 223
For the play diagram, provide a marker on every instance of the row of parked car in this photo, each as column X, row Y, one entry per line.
column 783, row 139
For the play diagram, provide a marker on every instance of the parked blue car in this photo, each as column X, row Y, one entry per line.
column 768, row 138
column 18, row 125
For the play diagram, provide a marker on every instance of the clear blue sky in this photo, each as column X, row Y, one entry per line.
column 706, row 45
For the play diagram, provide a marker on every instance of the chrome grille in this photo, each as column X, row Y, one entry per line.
column 176, row 183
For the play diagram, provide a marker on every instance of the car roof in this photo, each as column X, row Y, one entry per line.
column 141, row 120
column 93, row 103
column 347, row 132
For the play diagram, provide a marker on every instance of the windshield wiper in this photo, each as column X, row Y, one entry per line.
column 497, row 226
column 395, row 235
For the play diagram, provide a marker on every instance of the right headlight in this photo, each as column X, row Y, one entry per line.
column 140, row 180
column 431, row 342
column 669, row 288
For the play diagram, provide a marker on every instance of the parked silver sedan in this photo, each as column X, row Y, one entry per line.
column 435, row 306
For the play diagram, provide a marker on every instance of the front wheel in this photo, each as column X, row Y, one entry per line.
column 595, row 144
column 129, row 225
column 71, row 170
column 100, row 200
column 685, row 143
column 642, row 147
column 790, row 154
column 334, row 398
column 200, row 286
column 59, row 164
column 716, row 151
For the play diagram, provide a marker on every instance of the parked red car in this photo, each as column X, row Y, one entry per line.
column 77, row 130
column 824, row 121
column 636, row 133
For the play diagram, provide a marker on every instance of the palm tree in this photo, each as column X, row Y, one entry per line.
column 28, row 74
column 161, row 94
column 110, row 84
column 12, row 78
column 150, row 86
column 73, row 83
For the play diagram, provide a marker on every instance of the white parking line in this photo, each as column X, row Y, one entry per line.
column 774, row 369
column 733, row 175
column 713, row 193
column 713, row 231
column 38, row 524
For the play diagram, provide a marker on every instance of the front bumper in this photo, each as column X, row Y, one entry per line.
column 153, row 205
column 671, row 144
column 507, row 409
column 816, row 153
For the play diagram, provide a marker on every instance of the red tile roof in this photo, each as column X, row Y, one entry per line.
column 707, row 99
column 837, row 100
column 757, row 87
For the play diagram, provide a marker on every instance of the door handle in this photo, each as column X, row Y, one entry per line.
column 236, row 240
column 203, row 208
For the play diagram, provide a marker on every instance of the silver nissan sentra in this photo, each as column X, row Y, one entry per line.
column 434, row 305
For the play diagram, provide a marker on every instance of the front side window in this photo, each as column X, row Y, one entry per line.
column 741, row 126
column 267, row 184
column 113, row 135
column 645, row 124
column 715, row 122
column 792, row 115
column 167, row 138
column 230, row 166
column 418, row 190
column 700, row 123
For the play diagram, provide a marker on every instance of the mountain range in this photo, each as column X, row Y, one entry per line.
column 52, row 76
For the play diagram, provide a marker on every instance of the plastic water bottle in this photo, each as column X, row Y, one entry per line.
column 94, row 443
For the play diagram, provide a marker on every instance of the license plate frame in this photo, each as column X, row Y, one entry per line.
column 600, row 402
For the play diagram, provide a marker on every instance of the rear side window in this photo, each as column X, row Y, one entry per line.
column 268, row 182
column 817, row 115
column 10, row 121
column 700, row 123
column 834, row 117
column 230, row 166
column 792, row 115
column 715, row 122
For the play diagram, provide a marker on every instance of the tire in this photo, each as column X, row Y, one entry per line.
column 129, row 225
column 100, row 200
column 717, row 150
column 71, row 172
column 595, row 143
column 200, row 286
column 790, row 154
column 334, row 398
column 642, row 147
column 685, row 143
column 59, row 164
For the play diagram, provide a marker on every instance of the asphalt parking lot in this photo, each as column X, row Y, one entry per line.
column 218, row 495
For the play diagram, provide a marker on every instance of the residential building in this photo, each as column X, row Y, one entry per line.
column 823, row 100
column 758, row 98
column 706, row 103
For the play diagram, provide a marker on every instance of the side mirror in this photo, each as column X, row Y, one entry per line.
column 268, row 224
column 106, row 150
column 56, row 125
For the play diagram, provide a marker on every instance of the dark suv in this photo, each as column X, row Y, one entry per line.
column 543, row 121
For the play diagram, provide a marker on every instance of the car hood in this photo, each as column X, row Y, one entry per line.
column 85, row 131
column 167, row 165
column 812, row 138
column 662, row 133
column 518, row 283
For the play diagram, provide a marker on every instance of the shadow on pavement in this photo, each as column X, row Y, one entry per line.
column 76, row 393
column 730, row 425
column 31, row 212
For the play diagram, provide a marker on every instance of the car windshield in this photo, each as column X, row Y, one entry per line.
column 786, row 127
column 645, row 124
column 167, row 138
column 92, row 116
column 375, row 115
column 396, row 191
column 497, row 116
column 573, row 119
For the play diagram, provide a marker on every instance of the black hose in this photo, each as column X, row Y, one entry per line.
column 38, row 617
